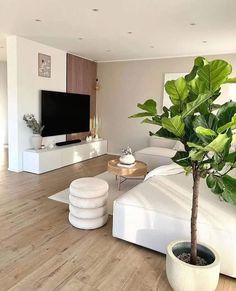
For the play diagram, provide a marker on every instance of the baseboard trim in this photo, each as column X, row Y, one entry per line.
column 15, row 170
column 115, row 154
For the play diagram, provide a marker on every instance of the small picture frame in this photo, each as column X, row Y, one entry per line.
column 44, row 65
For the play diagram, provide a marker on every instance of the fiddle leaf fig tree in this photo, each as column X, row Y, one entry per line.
column 203, row 127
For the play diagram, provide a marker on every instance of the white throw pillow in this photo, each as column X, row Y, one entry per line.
column 166, row 170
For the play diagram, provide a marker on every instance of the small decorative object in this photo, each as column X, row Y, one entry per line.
column 96, row 137
column 51, row 146
column 44, row 65
column 95, row 127
column 127, row 157
column 36, row 128
column 97, row 87
column 89, row 138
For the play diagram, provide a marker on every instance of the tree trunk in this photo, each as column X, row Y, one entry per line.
column 196, row 181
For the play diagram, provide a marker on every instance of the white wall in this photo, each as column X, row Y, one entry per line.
column 124, row 84
column 24, row 87
column 3, row 103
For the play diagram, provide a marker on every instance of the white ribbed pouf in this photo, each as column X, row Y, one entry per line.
column 88, row 203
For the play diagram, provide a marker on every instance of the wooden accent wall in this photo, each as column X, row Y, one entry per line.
column 81, row 78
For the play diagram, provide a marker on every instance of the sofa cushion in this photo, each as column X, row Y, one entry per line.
column 172, row 196
column 157, row 151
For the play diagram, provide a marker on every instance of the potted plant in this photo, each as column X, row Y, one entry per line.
column 32, row 123
column 206, row 131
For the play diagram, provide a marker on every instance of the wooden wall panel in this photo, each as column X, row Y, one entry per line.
column 81, row 78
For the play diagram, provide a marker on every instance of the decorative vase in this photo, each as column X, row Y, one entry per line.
column 128, row 159
column 36, row 140
column 186, row 277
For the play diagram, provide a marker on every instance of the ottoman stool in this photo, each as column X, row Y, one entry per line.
column 88, row 203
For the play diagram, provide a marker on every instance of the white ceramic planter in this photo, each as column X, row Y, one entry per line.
column 187, row 277
column 127, row 159
column 36, row 140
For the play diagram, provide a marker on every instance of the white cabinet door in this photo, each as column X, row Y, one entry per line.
column 49, row 161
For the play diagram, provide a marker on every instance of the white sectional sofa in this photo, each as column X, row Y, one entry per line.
column 159, row 152
column 157, row 211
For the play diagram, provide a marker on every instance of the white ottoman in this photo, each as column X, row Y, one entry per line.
column 88, row 203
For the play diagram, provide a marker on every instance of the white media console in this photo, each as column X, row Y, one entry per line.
column 44, row 160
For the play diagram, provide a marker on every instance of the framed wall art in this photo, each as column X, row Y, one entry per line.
column 44, row 65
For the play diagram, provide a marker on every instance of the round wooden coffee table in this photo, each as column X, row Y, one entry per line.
column 123, row 173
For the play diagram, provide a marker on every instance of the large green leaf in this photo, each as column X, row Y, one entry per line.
column 174, row 110
column 208, row 121
column 215, row 183
column 181, row 158
column 190, row 134
column 191, row 107
column 229, row 183
column 218, row 144
column 226, row 112
column 215, row 74
column 141, row 114
column 150, row 106
column 197, row 86
column 231, row 158
column 162, row 132
column 198, row 63
column 177, row 90
column 196, row 155
column 196, row 146
column 230, row 80
column 174, row 125
column 205, row 131
column 229, row 194
column 151, row 121
column 231, row 124
column 217, row 162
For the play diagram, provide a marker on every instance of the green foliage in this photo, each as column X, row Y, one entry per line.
column 174, row 125
column 182, row 158
column 149, row 106
column 214, row 74
column 193, row 106
column 226, row 113
column 203, row 126
column 177, row 90
column 205, row 131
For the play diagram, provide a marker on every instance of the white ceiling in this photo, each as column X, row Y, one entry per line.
column 164, row 24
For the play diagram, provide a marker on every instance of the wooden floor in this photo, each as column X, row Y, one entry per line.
column 40, row 250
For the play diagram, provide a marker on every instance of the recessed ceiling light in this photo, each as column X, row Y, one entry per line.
column 95, row 9
column 204, row 41
column 129, row 32
column 108, row 51
column 192, row 24
column 38, row 20
column 80, row 38
column 152, row 46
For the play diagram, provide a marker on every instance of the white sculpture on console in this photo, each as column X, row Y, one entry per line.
column 127, row 157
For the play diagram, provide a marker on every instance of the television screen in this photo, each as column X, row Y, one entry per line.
column 64, row 113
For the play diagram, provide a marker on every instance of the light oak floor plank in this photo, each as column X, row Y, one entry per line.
column 40, row 250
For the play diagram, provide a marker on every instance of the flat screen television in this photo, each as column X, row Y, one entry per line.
column 64, row 113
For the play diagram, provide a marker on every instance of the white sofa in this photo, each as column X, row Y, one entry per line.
column 157, row 211
column 159, row 152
